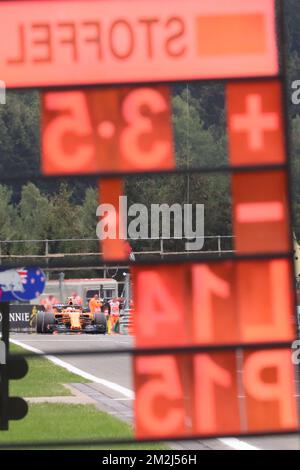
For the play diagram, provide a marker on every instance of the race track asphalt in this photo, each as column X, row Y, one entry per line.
column 117, row 369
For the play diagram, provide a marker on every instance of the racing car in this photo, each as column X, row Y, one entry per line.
column 71, row 318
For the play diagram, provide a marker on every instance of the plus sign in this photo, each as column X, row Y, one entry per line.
column 255, row 122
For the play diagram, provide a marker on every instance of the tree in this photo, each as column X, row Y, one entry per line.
column 195, row 146
column 296, row 173
column 65, row 219
column 19, row 134
column 33, row 221
column 87, row 214
column 7, row 214
column 292, row 9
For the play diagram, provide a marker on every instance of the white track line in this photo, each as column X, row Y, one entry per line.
column 237, row 444
column 113, row 386
column 69, row 341
column 232, row 442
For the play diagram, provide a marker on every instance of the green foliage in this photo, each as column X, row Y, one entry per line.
column 65, row 221
column 87, row 213
column 195, row 146
column 40, row 216
column 19, row 133
column 7, row 214
column 292, row 8
column 34, row 209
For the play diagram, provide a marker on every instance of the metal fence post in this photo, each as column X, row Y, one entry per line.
column 219, row 245
column 47, row 258
column 4, row 398
column 162, row 247
column 127, row 292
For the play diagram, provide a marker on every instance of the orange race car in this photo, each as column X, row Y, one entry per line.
column 71, row 318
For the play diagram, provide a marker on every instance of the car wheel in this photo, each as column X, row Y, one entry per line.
column 49, row 320
column 40, row 322
column 100, row 322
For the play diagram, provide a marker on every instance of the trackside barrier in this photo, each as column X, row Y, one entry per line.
column 126, row 323
column 22, row 318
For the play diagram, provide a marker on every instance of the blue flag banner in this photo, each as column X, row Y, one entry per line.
column 21, row 283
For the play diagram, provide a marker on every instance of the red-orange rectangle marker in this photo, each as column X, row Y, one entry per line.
column 214, row 303
column 53, row 43
column 234, row 35
column 109, row 229
column 159, row 403
column 111, row 130
column 161, row 302
column 269, row 385
column 218, row 393
column 255, row 123
column 260, row 212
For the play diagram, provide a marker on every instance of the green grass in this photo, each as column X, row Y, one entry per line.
column 62, row 422
column 49, row 421
column 44, row 379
